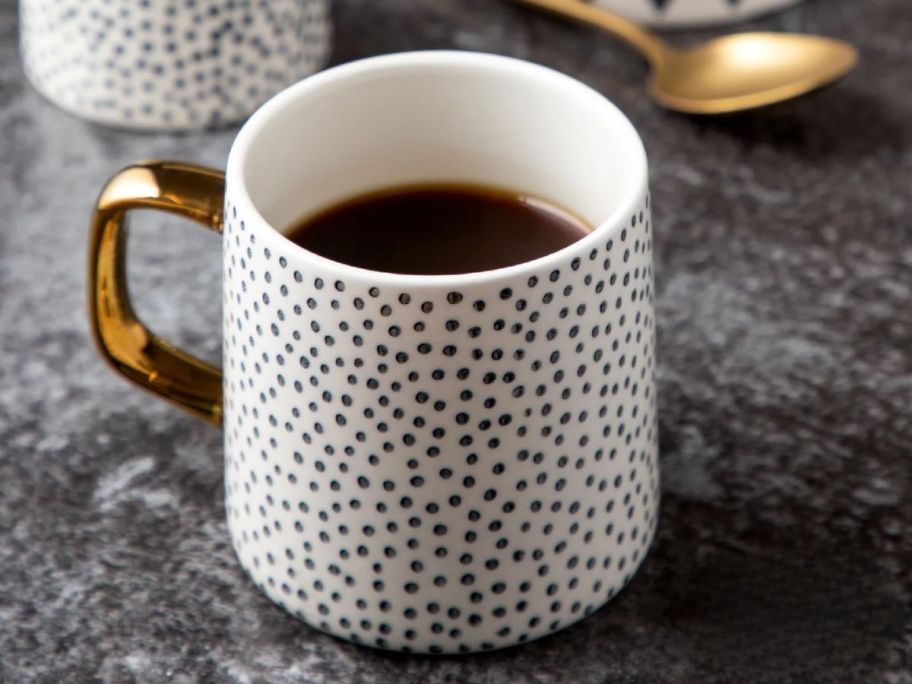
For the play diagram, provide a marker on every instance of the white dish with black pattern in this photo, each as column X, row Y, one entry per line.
column 692, row 13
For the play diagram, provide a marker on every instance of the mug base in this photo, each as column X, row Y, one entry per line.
column 465, row 646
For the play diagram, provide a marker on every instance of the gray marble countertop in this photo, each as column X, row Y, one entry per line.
column 784, row 262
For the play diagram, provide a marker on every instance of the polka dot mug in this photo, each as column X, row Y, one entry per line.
column 434, row 464
column 172, row 64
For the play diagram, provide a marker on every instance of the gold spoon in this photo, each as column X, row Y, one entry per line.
column 729, row 74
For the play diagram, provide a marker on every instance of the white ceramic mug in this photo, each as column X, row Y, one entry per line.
column 425, row 463
column 169, row 63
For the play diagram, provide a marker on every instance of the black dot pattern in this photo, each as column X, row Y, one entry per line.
column 432, row 469
column 170, row 63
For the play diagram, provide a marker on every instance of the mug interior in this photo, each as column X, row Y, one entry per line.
column 431, row 117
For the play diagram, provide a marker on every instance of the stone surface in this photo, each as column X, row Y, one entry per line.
column 784, row 268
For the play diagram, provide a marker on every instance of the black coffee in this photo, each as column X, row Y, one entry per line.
column 440, row 229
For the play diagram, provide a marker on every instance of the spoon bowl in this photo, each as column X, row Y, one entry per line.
column 729, row 74
column 747, row 70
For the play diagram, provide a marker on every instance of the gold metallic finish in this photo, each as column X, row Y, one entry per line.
column 730, row 74
column 126, row 344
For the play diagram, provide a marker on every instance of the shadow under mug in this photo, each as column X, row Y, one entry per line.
column 423, row 463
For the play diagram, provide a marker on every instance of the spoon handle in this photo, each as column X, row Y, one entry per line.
column 646, row 42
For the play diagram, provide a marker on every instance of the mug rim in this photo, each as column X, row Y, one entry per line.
column 614, row 222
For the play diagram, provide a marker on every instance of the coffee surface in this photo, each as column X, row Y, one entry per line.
column 439, row 229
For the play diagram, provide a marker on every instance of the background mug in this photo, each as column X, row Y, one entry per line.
column 169, row 63
column 424, row 463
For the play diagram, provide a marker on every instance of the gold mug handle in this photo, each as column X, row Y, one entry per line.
column 194, row 192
